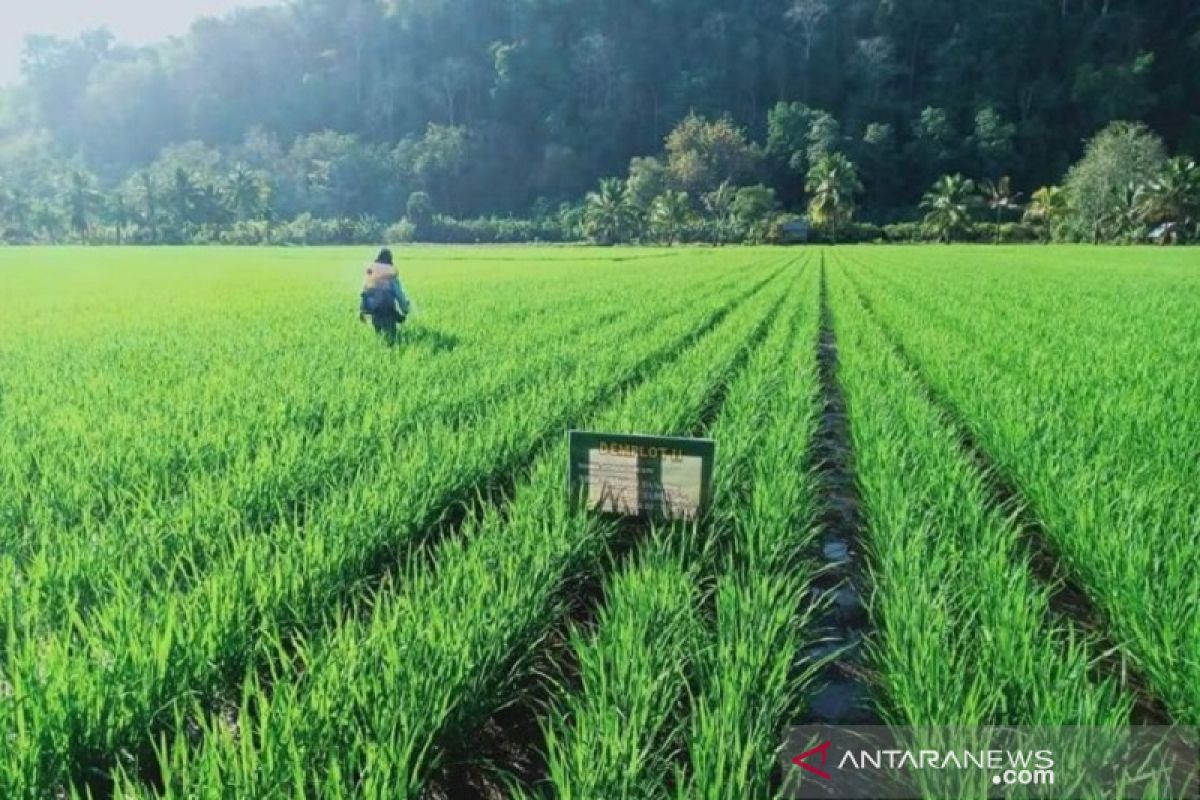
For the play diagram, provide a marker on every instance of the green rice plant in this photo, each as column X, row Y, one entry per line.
column 1078, row 379
column 444, row 649
column 965, row 636
column 281, row 581
column 247, row 551
column 617, row 736
column 747, row 692
column 182, row 537
column 724, row 695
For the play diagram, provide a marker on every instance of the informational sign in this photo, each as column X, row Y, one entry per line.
column 650, row 477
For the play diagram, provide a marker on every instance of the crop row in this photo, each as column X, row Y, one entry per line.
column 1101, row 441
column 964, row 635
column 688, row 678
column 79, row 700
column 130, row 415
column 325, row 446
column 377, row 703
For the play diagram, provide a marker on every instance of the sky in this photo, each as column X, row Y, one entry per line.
column 131, row 21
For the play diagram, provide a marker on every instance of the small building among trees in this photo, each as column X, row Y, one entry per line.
column 1167, row 233
column 794, row 231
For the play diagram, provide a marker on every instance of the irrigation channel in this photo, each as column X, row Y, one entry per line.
column 839, row 587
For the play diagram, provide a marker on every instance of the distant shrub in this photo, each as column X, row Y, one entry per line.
column 847, row 233
column 1017, row 233
column 975, row 232
column 309, row 230
column 247, row 232
column 302, row 230
column 698, row 230
column 400, row 232
column 860, row 232
column 906, row 232
column 492, row 230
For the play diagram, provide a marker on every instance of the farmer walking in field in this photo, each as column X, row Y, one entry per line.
column 383, row 297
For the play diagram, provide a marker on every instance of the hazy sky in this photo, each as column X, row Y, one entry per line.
column 132, row 21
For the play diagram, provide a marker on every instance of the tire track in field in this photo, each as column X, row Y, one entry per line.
column 514, row 737
column 843, row 625
column 495, row 490
column 1069, row 601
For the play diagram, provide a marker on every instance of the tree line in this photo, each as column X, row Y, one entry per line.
column 707, row 120
column 1124, row 189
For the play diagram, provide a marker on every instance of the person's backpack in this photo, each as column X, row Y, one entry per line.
column 377, row 300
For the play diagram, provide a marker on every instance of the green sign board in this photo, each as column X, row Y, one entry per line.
column 650, row 477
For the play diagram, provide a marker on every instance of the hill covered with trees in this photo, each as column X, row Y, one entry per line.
column 330, row 120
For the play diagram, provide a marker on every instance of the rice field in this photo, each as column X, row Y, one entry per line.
column 246, row 550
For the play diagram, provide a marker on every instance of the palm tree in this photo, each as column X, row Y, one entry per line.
column 1124, row 216
column 609, row 217
column 947, row 205
column 1047, row 208
column 245, row 193
column 669, row 214
column 210, row 207
column 46, row 218
column 182, row 197
column 999, row 197
column 719, row 204
column 832, row 186
column 15, row 207
column 117, row 211
column 147, row 191
column 1173, row 195
column 81, row 196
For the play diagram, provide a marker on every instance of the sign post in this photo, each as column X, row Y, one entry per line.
column 647, row 477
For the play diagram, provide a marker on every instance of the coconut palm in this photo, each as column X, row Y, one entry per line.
column 81, row 198
column 116, row 210
column 669, row 213
column 1124, row 218
column 46, row 219
column 947, row 206
column 15, row 209
column 148, row 204
column 1047, row 209
column 1173, row 195
column 182, row 198
column 832, row 186
column 246, row 193
column 999, row 196
column 719, row 205
column 609, row 217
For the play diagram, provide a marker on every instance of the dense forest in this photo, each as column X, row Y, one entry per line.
column 490, row 119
